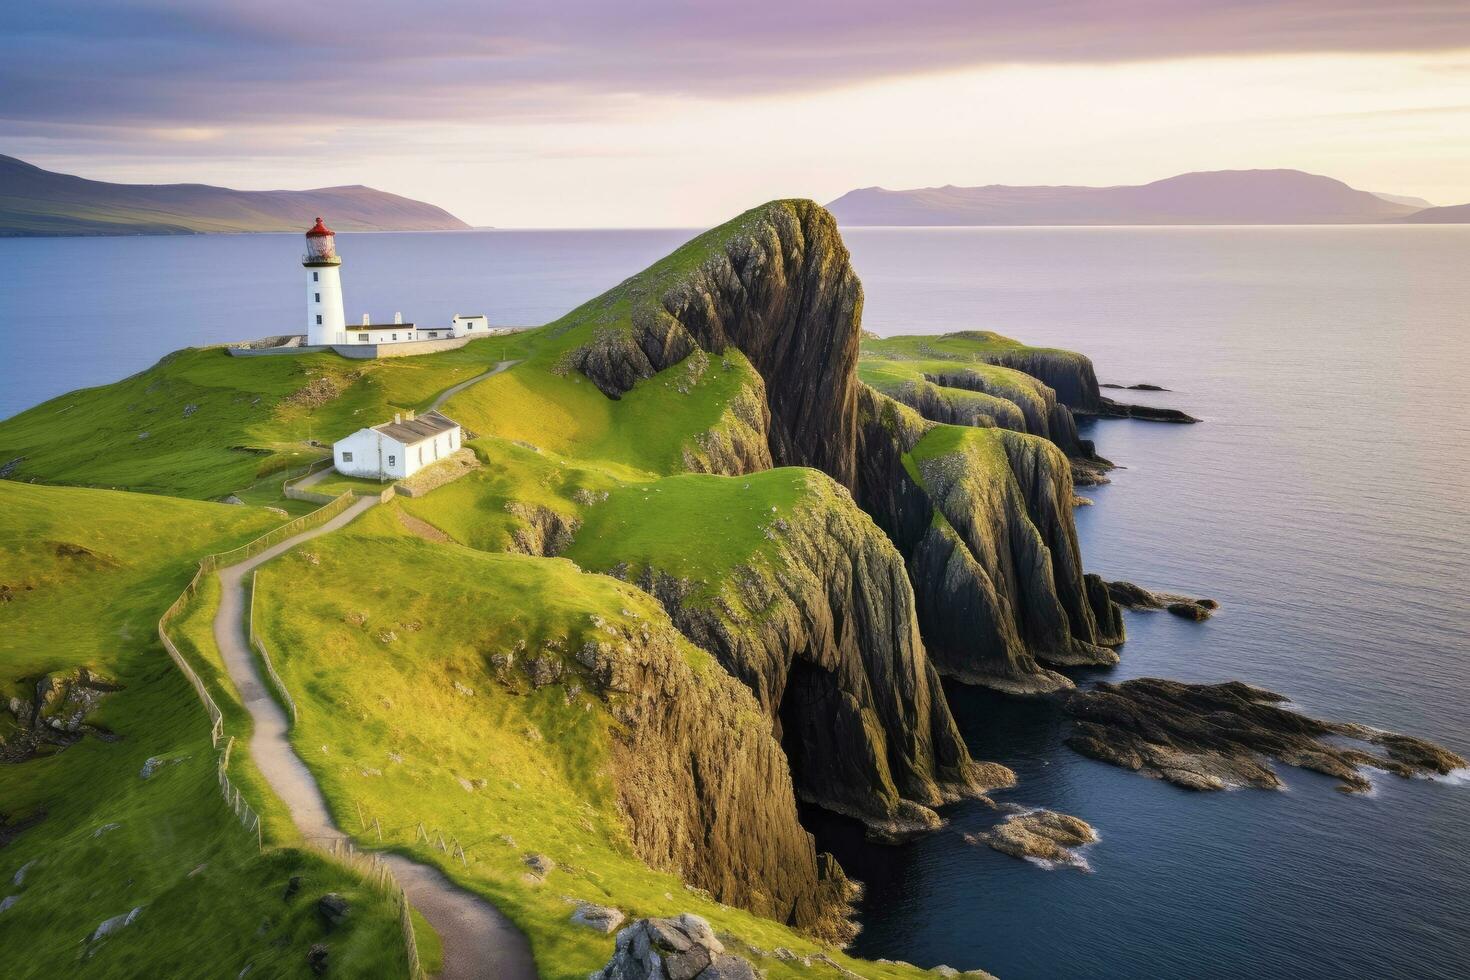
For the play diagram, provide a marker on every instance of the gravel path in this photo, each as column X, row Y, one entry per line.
column 479, row 942
column 449, row 393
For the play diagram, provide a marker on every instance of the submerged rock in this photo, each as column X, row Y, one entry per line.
column 1148, row 413
column 1219, row 736
column 1041, row 834
column 681, row 948
column 1136, row 597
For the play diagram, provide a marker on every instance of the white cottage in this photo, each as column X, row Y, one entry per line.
column 397, row 449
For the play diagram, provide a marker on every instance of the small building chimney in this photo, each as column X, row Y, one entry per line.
column 365, row 320
column 397, row 417
column 398, row 318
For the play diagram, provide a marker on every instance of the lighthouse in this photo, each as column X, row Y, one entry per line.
column 325, row 321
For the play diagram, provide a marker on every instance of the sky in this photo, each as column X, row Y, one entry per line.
column 651, row 113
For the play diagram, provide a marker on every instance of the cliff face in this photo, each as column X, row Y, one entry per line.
column 989, row 546
column 1068, row 374
column 826, row 638
column 706, row 788
column 985, row 524
column 779, row 287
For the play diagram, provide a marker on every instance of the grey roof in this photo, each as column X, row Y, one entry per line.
column 426, row 426
column 379, row 326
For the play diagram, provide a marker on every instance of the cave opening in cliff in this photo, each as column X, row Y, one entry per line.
column 811, row 728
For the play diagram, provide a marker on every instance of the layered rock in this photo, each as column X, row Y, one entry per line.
column 991, row 549
column 778, row 285
column 705, row 785
column 826, row 637
column 1217, row 736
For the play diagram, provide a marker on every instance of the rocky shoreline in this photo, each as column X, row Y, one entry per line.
column 1224, row 736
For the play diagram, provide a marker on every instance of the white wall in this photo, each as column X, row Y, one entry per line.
column 470, row 326
column 376, row 456
column 324, row 299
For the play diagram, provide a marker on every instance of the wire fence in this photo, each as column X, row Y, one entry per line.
column 371, row 867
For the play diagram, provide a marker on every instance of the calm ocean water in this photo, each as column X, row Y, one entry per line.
column 1321, row 502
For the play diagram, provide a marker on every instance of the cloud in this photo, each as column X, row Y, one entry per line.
column 182, row 66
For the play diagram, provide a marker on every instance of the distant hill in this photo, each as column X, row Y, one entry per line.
column 38, row 202
column 1246, row 197
column 1454, row 214
column 1414, row 202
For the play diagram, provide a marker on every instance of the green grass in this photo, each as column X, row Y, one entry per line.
column 693, row 526
column 211, row 904
column 244, row 425
column 963, row 345
column 384, row 726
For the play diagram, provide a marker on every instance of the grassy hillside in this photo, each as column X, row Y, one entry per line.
column 203, row 424
column 409, row 710
column 89, row 573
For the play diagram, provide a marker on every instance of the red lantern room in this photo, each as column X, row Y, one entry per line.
column 321, row 247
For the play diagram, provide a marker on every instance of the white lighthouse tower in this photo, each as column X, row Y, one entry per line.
column 325, row 321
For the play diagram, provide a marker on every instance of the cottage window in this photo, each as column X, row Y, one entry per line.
column 346, row 457
column 395, row 336
column 362, row 336
column 392, row 460
column 318, row 319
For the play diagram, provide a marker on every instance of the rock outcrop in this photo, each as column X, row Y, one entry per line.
column 827, row 639
column 680, row 948
column 1041, row 835
column 1217, row 736
column 54, row 716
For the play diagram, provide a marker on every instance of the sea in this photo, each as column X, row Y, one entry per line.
column 1321, row 501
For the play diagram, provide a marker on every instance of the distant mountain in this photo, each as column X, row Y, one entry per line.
column 1413, row 202
column 38, row 202
column 1221, row 197
column 1452, row 215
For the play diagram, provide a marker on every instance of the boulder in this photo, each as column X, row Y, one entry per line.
column 316, row 958
column 680, row 948
column 109, row 926
column 333, row 909
column 601, row 918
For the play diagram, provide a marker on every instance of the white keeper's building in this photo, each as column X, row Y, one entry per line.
column 398, row 449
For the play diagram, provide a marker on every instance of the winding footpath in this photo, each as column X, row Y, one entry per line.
column 479, row 942
column 453, row 390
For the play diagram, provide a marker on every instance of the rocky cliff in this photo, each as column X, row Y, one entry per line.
column 983, row 517
column 989, row 545
column 706, row 788
column 824, row 633
column 778, row 285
